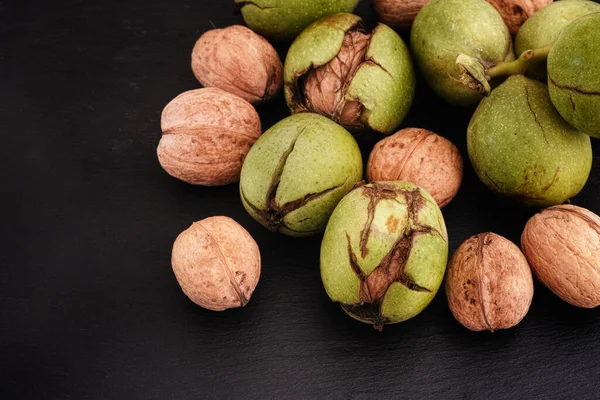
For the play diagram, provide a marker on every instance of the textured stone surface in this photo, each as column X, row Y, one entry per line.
column 446, row 28
column 562, row 244
column 421, row 157
column 283, row 20
column 217, row 263
column 573, row 74
column 489, row 284
column 238, row 61
column 523, row 150
column 384, row 252
column 206, row 135
column 297, row 172
column 361, row 80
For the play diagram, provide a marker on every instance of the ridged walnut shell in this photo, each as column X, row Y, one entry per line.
column 238, row 61
column 562, row 244
column 489, row 283
column 516, row 12
column 398, row 14
column 217, row 263
column 421, row 157
column 206, row 136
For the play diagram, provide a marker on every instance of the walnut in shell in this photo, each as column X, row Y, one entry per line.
column 489, row 283
column 516, row 12
column 238, row 61
column 398, row 14
column 562, row 244
column 206, row 136
column 421, row 157
column 217, row 263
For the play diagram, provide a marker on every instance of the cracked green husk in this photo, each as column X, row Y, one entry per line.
column 297, row 172
column 283, row 20
column 543, row 28
column 384, row 252
column 574, row 74
column 523, row 150
column 443, row 30
column 384, row 83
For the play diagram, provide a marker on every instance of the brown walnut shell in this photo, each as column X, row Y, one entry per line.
column 489, row 283
column 421, row 157
column 398, row 14
column 206, row 136
column 217, row 263
column 562, row 244
column 516, row 12
column 238, row 61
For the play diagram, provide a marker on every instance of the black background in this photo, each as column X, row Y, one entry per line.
column 89, row 304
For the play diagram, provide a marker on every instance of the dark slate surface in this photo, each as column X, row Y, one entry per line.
column 89, row 305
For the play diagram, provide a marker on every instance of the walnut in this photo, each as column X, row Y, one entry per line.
column 421, row 157
column 398, row 14
column 489, row 283
column 238, row 61
column 562, row 244
column 217, row 263
column 206, row 136
column 516, row 12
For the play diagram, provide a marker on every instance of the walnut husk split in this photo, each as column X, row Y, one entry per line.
column 206, row 136
column 217, row 263
column 421, row 157
column 489, row 283
column 238, row 61
column 562, row 244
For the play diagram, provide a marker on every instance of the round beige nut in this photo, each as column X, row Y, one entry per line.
column 217, row 263
column 398, row 13
column 206, row 136
column 489, row 283
column 420, row 157
column 562, row 244
column 238, row 61
column 516, row 12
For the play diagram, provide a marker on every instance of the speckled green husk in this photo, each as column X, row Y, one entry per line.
column 444, row 29
column 297, row 172
column 543, row 27
column 283, row 20
column 385, row 86
column 574, row 74
column 384, row 252
column 523, row 150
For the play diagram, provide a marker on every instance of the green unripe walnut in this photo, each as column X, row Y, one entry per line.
column 283, row 20
column 384, row 252
column 297, row 172
column 574, row 74
column 523, row 150
column 543, row 28
column 443, row 30
column 361, row 80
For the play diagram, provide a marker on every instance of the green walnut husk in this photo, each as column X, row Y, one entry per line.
column 361, row 80
column 574, row 74
column 384, row 252
column 523, row 150
column 297, row 172
column 283, row 20
column 543, row 28
column 445, row 29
